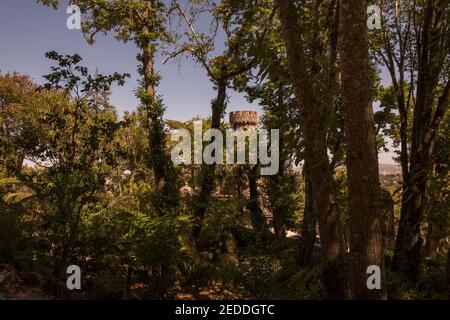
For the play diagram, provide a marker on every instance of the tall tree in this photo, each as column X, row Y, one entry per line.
column 414, row 46
column 433, row 67
column 143, row 23
column 275, row 96
column 312, row 113
column 362, row 164
column 73, row 148
column 235, row 20
column 273, row 80
column 15, row 91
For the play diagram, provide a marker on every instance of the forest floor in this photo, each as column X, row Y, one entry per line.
column 213, row 292
column 16, row 286
column 25, row 286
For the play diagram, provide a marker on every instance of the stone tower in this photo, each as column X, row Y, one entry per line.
column 245, row 120
column 247, row 175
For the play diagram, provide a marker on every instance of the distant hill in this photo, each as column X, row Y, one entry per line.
column 385, row 169
column 390, row 169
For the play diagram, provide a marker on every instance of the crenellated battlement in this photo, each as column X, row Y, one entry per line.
column 244, row 119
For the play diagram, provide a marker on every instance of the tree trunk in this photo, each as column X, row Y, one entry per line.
column 279, row 208
column 257, row 216
column 207, row 172
column 308, row 230
column 279, row 224
column 427, row 118
column 386, row 205
column 312, row 114
column 278, row 184
column 165, row 182
column 366, row 246
column 431, row 245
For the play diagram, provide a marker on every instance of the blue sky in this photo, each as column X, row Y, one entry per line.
column 28, row 30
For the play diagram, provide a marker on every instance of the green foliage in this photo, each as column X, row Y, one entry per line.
column 10, row 228
column 142, row 22
column 72, row 125
column 259, row 277
column 102, row 193
column 306, row 284
column 432, row 284
column 15, row 92
column 222, row 217
column 124, row 248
